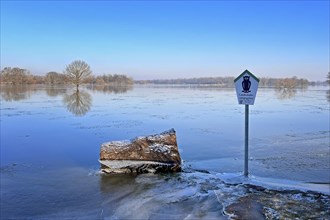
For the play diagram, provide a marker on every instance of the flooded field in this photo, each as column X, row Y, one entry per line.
column 51, row 137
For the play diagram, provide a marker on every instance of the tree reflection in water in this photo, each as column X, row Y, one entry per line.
column 116, row 89
column 78, row 103
column 16, row 92
column 285, row 93
column 53, row 91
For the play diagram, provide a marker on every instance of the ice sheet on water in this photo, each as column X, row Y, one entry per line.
column 199, row 195
column 186, row 195
column 170, row 196
column 274, row 184
column 115, row 164
column 299, row 156
column 278, row 184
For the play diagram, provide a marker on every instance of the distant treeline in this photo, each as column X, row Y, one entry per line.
column 18, row 76
column 293, row 82
column 221, row 81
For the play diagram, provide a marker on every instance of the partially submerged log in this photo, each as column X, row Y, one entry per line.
column 148, row 154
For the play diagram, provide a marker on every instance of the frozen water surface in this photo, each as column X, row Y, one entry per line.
column 51, row 137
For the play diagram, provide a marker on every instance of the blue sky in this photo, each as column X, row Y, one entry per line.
column 169, row 39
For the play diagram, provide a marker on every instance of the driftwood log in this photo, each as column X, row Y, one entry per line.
column 148, row 154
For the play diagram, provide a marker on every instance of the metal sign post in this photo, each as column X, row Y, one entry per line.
column 246, row 86
column 246, row 145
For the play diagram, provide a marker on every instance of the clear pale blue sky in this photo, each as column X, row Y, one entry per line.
column 169, row 39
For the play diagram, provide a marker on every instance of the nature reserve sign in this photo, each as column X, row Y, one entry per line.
column 246, row 86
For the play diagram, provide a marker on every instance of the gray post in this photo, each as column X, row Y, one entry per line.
column 246, row 155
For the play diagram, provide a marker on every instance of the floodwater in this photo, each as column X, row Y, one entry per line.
column 51, row 137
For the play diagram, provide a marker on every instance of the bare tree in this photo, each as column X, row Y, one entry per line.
column 78, row 71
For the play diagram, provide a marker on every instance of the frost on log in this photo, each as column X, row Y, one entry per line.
column 148, row 154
